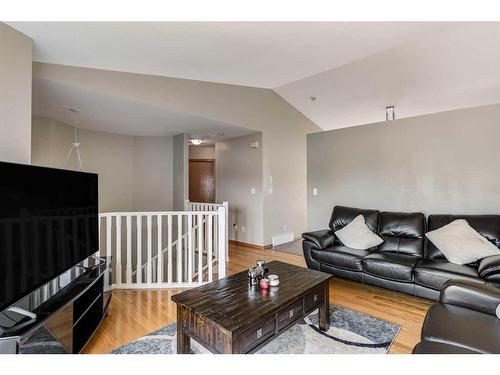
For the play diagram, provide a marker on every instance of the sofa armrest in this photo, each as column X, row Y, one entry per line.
column 321, row 238
column 489, row 268
column 479, row 297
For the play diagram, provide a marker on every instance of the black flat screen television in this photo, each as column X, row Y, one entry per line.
column 48, row 224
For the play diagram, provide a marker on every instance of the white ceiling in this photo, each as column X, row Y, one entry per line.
column 455, row 68
column 112, row 114
column 355, row 69
column 260, row 54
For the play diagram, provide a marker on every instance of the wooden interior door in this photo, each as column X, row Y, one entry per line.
column 202, row 181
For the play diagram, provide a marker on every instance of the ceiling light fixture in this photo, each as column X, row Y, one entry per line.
column 389, row 113
column 76, row 143
column 196, row 142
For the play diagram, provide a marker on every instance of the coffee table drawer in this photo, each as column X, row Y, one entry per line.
column 258, row 333
column 290, row 314
column 315, row 298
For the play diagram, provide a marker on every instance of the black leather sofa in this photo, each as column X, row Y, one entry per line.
column 463, row 321
column 406, row 261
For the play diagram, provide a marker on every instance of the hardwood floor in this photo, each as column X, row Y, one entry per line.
column 135, row 313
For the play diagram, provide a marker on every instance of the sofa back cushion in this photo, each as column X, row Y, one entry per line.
column 402, row 233
column 342, row 215
column 487, row 225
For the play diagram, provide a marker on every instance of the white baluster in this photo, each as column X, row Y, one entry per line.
column 129, row 250
column 190, row 248
column 150, row 250
column 179, row 248
column 216, row 236
column 138, row 274
column 159, row 273
column 169, row 250
column 108, row 235
column 222, row 242
column 185, row 254
column 118, row 250
column 108, row 247
column 226, row 216
column 200, row 248
column 209, row 254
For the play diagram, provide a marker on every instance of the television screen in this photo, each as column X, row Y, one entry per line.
column 48, row 223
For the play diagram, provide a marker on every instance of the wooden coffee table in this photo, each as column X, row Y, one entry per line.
column 230, row 316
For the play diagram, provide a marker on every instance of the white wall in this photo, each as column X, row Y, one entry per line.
column 202, row 152
column 15, row 95
column 446, row 162
column 283, row 128
column 153, row 173
column 238, row 170
column 135, row 173
column 180, row 171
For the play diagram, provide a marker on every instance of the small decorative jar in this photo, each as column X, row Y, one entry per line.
column 273, row 280
column 264, row 283
column 252, row 277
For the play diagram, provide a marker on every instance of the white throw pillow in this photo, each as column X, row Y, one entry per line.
column 498, row 311
column 357, row 235
column 460, row 243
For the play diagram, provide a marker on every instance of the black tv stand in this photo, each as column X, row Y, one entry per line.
column 69, row 318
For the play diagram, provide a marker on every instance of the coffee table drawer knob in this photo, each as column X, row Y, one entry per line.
column 291, row 314
column 315, row 298
column 259, row 333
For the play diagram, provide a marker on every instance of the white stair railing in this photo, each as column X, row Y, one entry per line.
column 200, row 206
column 164, row 249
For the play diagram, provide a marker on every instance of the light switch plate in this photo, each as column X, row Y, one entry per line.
column 315, row 191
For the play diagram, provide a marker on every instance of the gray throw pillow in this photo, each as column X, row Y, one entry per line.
column 357, row 235
column 460, row 243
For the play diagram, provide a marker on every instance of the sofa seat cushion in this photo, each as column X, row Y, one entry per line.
column 431, row 347
column 392, row 266
column 341, row 256
column 478, row 331
column 433, row 273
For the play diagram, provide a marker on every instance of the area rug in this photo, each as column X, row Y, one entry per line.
column 351, row 332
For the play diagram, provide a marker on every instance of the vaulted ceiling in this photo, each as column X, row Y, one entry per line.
column 354, row 69
column 101, row 111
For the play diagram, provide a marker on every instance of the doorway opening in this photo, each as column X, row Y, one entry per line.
column 202, row 174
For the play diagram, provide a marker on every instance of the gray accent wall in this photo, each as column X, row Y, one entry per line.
column 446, row 162
column 15, row 95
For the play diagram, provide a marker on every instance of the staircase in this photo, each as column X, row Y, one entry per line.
column 177, row 249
